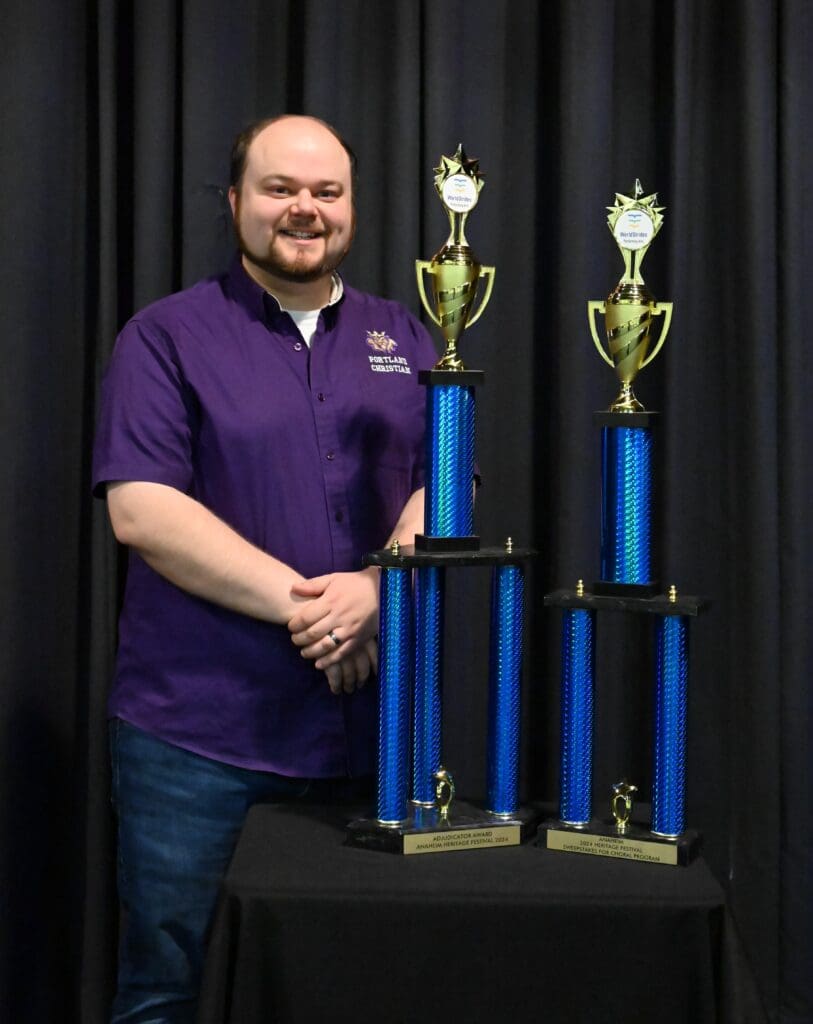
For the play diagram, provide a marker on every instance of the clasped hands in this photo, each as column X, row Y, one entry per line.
column 337, row 625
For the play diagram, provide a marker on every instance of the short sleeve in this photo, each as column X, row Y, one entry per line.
column 426, row 358
column 147, row 415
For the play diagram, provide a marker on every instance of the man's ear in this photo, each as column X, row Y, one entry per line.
column 233, row 199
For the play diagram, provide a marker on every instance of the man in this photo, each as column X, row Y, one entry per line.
column 259, row 433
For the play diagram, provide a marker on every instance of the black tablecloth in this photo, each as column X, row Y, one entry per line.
column 310, row 930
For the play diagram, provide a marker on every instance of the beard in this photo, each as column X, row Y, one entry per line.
column 298, row 269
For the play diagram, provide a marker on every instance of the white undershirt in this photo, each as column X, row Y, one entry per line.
column 307, row 319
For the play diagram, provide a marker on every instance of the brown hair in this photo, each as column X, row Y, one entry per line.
column 240, row 146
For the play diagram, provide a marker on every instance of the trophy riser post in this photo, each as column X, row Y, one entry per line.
column 394, row 675
column 671, row 694
column 505, row 670
column 427, row 701
column 450, row 427
column 626, row 502
column 578, row 686
column 450, row 462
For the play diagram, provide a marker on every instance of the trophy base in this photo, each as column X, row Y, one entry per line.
column 424, row 543
column 602, row 839
column 458, row 378
column 661, row 604
column 607, row 588
column 606, row 418
column 410, row 557
column 467, row 828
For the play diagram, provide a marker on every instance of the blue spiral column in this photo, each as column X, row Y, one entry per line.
column 626, row 510
column 671, row 693
column 578, row 681
column 427, row 701
column 507, row 600
column 394, row 675
column 449, row 509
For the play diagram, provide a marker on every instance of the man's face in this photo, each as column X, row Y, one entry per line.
column 293, row 212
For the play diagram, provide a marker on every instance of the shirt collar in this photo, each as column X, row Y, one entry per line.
column 260, row 302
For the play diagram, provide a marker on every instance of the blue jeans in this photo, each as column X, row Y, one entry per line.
column 179, row 818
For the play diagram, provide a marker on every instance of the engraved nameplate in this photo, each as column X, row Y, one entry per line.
column 461, row 839
column 612, row 846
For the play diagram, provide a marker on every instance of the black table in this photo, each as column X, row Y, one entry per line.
column 309, row 930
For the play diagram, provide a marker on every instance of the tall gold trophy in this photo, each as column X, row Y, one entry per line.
column 630, row 308
column 415, row 812
column 454, row 269
column 628, row 584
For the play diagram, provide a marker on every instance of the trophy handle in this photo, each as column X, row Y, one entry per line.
column 662, row 307
column 420, row 267
column 597, row 306
column 485, row 272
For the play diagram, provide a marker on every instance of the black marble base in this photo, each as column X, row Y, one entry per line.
column 468, row 828
column 609, row 589
column 410, row 558
column 602, row 839
column 424, row 543
column 684, row 604
column 605, row 418
column 457, row 378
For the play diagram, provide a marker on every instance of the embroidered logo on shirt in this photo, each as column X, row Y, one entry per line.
column 380, row 342
column 384, row 361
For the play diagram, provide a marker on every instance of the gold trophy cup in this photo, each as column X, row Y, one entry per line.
column 454, row 269
column 630, row 308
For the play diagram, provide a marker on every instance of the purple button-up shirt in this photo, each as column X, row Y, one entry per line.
column 308, row 454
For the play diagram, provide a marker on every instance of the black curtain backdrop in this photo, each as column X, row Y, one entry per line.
column 115, row 126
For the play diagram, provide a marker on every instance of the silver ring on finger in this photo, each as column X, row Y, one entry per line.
column 334, row 638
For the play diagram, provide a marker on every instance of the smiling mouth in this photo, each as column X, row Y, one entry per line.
column 301, row 235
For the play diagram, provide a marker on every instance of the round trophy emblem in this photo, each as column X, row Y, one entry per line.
column 459, row 193
column 634, row 229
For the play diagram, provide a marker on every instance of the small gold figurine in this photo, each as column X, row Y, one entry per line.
column 444, row 792
column 621, row 804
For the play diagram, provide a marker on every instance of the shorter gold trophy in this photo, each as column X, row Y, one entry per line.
column 629, row 308
column 454, row 269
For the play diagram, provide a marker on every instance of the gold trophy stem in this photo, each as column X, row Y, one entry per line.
column 450, row 359
column 457, row 235
column 626, row 400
